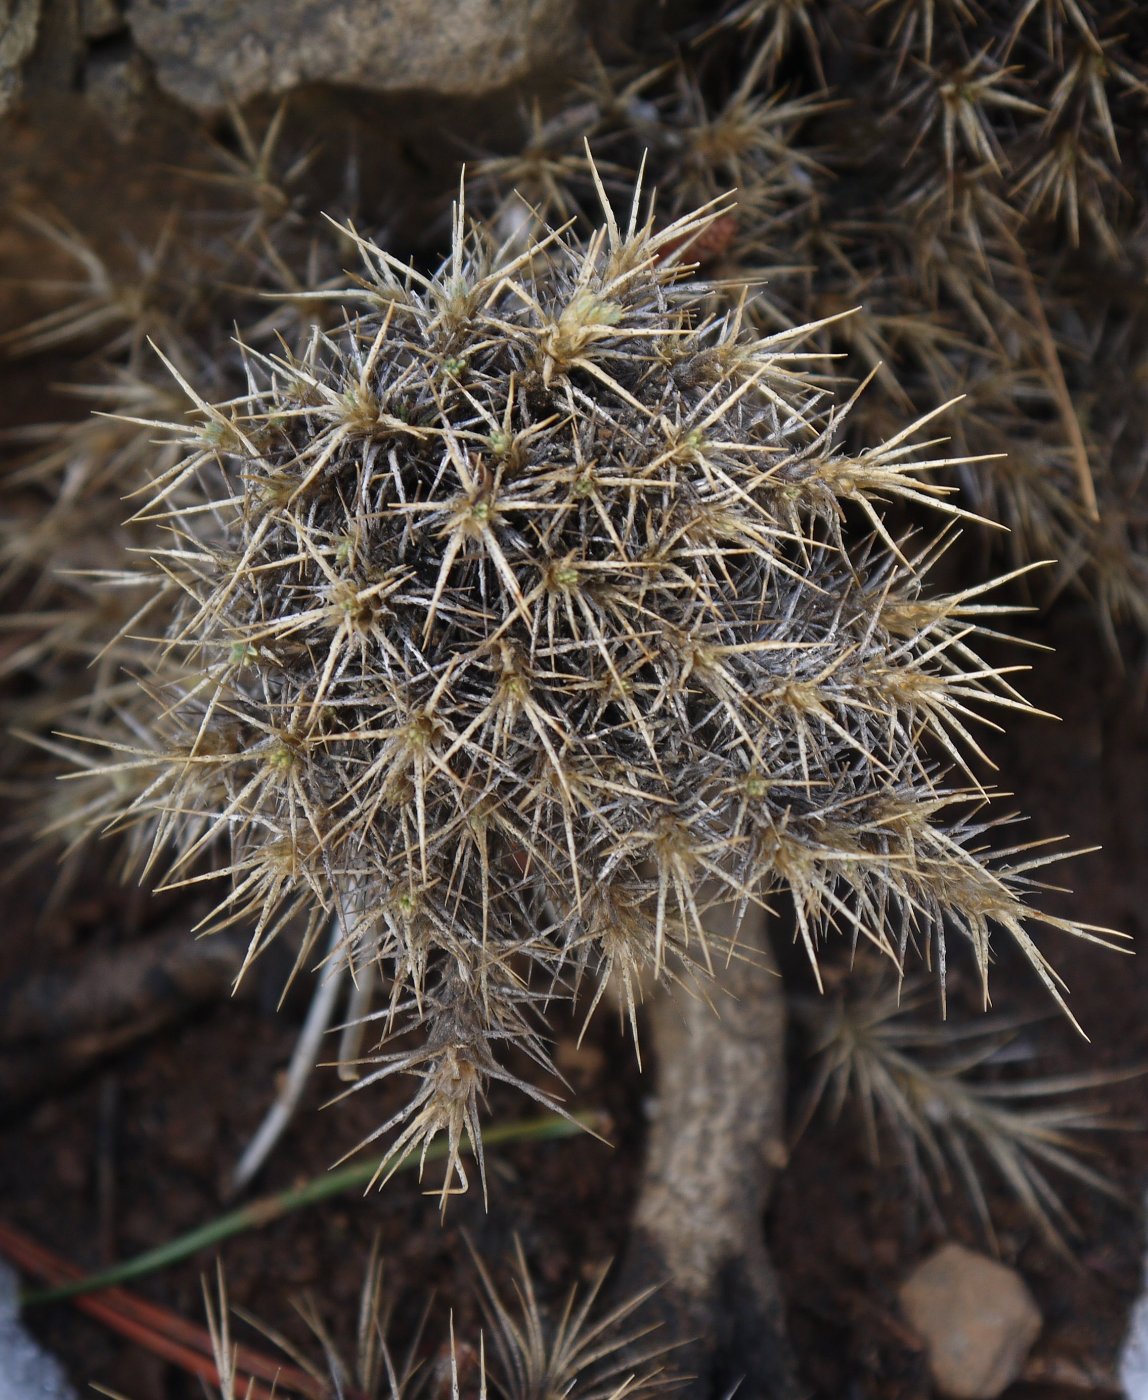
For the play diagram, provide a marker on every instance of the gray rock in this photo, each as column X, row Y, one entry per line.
column 19, row 22
column 26, row 1371
column 208, row 55
column 976, row 1318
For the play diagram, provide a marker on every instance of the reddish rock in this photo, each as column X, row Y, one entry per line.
column 976, row 1318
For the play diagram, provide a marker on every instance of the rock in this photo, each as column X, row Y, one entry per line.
column 19, row 21
column 1133, row 1366
column 100, row 19
column 41, row 48
column 976, row 1318
column 26, row 1371
column 208, row 55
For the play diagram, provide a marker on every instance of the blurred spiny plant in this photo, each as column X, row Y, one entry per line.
column 966, row 178
column 238, row 225
column 943, row 1094
column 523, row 1353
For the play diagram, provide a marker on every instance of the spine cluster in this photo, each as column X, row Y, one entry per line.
column 966, row 176
column 532, row 611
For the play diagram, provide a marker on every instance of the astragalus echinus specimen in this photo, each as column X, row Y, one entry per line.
column 530, row 629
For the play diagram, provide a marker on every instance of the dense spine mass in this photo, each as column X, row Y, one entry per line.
column 521, row 621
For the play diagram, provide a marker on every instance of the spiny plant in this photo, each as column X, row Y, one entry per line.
column 236, row 225
column 933, row 1091
column 964, row 176
column 520, row 621
column 584, row 1351
column 523, row 1353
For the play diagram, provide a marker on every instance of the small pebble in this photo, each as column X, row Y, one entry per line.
column 976, row 1318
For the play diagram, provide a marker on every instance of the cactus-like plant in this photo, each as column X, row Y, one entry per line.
column 963, row 175
column 523, row 1354
column 520, row 622
column 520, row 628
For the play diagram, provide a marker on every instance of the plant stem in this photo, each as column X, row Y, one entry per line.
column 715, row 1144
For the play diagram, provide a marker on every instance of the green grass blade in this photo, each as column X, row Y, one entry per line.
column 258, row 1213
